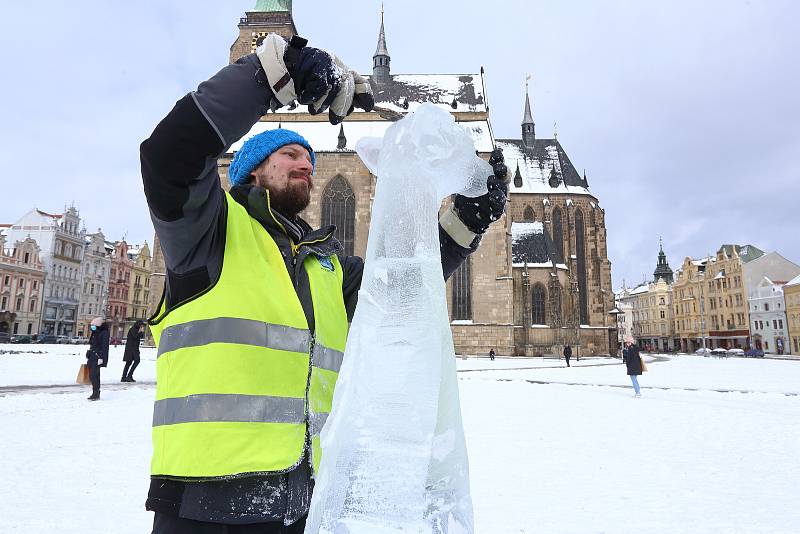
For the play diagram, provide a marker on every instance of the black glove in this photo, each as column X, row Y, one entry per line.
column 478, row 213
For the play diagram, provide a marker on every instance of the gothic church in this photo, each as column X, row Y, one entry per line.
column 541, row 276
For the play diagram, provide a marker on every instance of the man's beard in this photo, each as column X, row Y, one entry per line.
column 291, row 200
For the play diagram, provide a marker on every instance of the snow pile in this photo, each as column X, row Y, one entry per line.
column 394, row 454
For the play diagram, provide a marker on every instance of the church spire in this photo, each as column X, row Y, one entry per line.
column 381, row 59
column 663, row 269
column 528, row 126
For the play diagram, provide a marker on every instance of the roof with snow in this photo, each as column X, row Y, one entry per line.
column 530, row 244
column 746, row 253
column 457, row 93
column 324, row 137
column 542, row 168
column 794, row 281
column 644, row 288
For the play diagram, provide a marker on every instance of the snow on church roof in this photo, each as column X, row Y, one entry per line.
column 531, row 245
column 324, row 137
column 537, row 165
column 406, row 92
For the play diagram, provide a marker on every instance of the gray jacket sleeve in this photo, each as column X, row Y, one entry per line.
column 179, row 166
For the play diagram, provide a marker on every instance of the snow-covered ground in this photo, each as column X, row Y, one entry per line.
column 551, row 449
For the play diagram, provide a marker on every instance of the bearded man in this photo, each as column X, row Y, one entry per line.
column 252, row 326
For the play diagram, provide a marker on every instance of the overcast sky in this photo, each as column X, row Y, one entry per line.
column 685, row 114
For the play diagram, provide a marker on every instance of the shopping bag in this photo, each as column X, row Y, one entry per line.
column 644, row 365
column 83, row 375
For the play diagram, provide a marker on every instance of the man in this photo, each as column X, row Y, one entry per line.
column 567, row 353
column 131, row 356
column 252, row 326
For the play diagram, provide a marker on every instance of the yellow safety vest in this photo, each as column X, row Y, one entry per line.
column 241, row 381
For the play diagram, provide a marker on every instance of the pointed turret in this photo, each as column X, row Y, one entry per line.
column 342, row 141
column 528, row 126
column 663, row 269
column 381, row 59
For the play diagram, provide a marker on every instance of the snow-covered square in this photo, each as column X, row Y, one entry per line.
column 710, row 447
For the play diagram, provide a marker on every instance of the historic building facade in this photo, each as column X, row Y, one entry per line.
column 96, row 269
column 768, row 324
column 118, row 290
column 61, row 243
column 652, row 317
column 21, row 282
column 541, row 276
column 139, row 290
column 791, row 294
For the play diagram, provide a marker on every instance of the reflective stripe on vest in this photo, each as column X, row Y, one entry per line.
column 241, row 383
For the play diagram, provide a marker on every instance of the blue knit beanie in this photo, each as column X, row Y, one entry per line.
column 258, row 148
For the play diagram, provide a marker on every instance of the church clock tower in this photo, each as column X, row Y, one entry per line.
column 269, row 16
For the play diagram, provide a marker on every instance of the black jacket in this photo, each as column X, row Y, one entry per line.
column 98, row 346
column 632, row 360
column 567, row 351
column 132, row 342
column 189, row 213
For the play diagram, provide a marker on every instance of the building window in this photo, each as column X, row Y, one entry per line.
column 32, row 305
column 528, row 215
column 780, row 324
column 537, row 301
column 16, row 328
column 30, row 328
column 339, row 209
column 462, row 292
column 766, row 306
column 558, row 234
column 27, row 257
column 580, row 246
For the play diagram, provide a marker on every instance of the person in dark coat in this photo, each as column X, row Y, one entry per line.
column 567, row 353
column 131, row 357
column 97, row 355
column 491, row 354
column 633, row 361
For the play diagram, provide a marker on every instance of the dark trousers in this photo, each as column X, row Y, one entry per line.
column 94, row 376
column 130, row 367
column 567, row 358
column 169, row 524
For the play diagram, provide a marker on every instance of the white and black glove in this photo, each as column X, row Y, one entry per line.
column 313, row 77
column 468, row 218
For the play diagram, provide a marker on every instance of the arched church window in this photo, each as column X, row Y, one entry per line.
column 462, row 292
column 528, row 215
column 558, row 233
column 580, row 253
column 339, row 209
column 537, row 304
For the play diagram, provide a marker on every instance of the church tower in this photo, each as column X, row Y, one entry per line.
column 381, row 59
column 269, row 16
column 663, row 269
column 528, row 126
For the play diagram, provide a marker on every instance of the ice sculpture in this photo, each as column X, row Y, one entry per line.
column 394, row 456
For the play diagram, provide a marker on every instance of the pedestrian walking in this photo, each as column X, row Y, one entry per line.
column 633, row 362
column 567, row 353
column 491, row 354
column 131, row 356
column 248, row 326
column 97, row 355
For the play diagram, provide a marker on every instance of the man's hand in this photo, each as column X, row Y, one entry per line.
column 313, row 77
column 478, row 213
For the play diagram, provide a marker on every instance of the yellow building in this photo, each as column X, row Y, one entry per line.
column 139, row 291
column 710, row 300
column 791, row 295
column 653, row 326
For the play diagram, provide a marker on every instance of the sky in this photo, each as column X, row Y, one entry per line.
column 685, row 115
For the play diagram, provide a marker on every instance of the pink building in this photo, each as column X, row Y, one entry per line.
column 21, row 287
